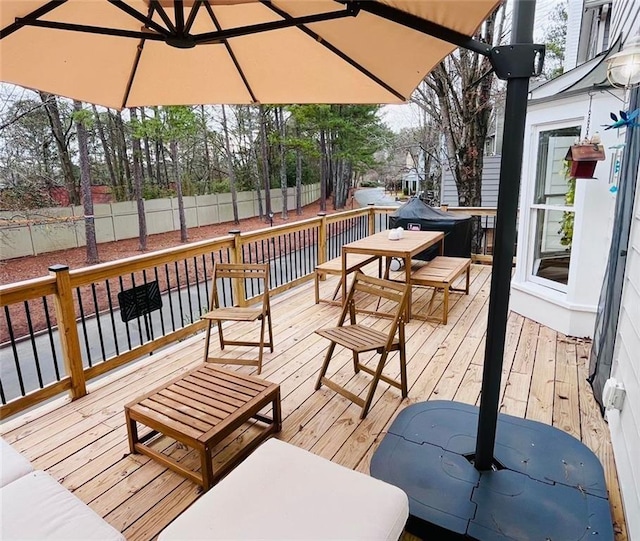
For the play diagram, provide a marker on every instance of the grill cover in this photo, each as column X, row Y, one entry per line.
column 416, row 215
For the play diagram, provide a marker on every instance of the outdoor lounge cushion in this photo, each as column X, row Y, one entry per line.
column 12, row 464
column 283, row 492
column 36, row 506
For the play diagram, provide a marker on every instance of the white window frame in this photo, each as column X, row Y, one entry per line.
column 534, row 207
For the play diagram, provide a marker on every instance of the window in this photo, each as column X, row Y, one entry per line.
column 552, row 209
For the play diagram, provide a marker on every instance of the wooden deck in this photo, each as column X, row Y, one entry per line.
column 84, row 444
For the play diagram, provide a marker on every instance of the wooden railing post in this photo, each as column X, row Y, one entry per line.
column 372, row 219
column 68, row 330
column 237, row 286
column 322, row 238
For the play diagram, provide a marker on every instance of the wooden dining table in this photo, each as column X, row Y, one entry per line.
column 406, row 248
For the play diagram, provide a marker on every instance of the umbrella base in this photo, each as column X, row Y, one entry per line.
column 545, row 484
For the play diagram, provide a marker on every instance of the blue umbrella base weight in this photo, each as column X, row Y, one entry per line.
column 545, row 485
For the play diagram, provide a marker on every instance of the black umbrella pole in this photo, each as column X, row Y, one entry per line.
column 504, row 242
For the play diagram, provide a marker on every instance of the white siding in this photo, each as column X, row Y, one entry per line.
column 490, row 181
column 625, row 425
column 574, row 20
column 625, row 19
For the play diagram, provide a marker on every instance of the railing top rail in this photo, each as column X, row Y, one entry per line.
column 135, row 263
column 27, row 289
column 267, row 232
column 331, row 218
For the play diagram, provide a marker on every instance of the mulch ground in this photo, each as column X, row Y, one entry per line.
column 24, row 268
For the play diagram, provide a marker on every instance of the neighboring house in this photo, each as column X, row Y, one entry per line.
column 564, row 236
column 414, row 174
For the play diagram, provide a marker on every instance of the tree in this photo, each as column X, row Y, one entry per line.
column 137, row 181
column 264, row 155
column 232, row 175
column 62, row 143
column 555, row 39
column 280, row 122
column 80, row 117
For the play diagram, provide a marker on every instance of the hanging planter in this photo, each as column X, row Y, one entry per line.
column 583, row 159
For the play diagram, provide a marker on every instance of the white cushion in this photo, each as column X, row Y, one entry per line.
column 12, row 464
column 283, row 492
column 36, row 506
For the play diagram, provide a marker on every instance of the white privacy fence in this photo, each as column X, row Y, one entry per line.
column 48, row 230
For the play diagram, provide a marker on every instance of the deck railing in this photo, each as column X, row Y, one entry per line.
column 60, row 331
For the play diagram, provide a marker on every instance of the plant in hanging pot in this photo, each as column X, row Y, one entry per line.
column 584, row 156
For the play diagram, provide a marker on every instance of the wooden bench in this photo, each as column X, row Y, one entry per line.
column 440, row 273
column 334, row 266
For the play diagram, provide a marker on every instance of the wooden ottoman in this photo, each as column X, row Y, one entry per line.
column 284, row 492
column 200, row 409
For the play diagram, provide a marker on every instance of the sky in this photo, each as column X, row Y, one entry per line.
column 398, row 117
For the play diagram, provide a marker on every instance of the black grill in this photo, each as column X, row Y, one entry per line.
column 416, row 215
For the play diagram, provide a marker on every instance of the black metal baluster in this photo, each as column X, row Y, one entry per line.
column 32, row 339
column 280, row 259
column 179, row 294
column 113, row 319
column 56, row 368
column 126, row 323
column 148, row 321
column 133, row 285
column 170, row 296
column 98, row 322
column 12, row 339
column 84, row 326
column 250, row 281
column 195, row 270
column 155, row 273
column 188, row 284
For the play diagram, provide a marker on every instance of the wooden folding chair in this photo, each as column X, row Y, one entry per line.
column 257, row 308
column 362, row 338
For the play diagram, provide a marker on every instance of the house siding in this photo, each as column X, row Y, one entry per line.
column 625, row 18
column 574, row 20
column 490, row 182
column 625, row 424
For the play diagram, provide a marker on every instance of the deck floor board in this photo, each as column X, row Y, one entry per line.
column 84, row 445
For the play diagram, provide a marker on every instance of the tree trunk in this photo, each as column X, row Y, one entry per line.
column 298, row 182
column 232, row 174
column 124, row 155
column 265, row 164
column 137, row 185
column 258, row 183
column 159, row 154
column 173, row 146
column 147, row 150
column 205, row 143
column 323, row 172
column 283, row 162
column 85, row 182
column 107, row 149
column 53, row 114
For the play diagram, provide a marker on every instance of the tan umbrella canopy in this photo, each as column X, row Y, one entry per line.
column 126, row 53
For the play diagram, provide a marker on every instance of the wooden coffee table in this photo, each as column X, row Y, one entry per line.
column 200, row 409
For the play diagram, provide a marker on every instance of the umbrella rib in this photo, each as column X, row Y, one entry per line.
column 424, row 26
column 163, row 15
column 214, row 19
column 147, row 21
column 42, row 10
column 152, row 8
column 192, row 16
column 93, row 29
column 336, row 51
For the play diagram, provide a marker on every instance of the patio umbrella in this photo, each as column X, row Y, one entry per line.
column 130, row 53
column 127, row 53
